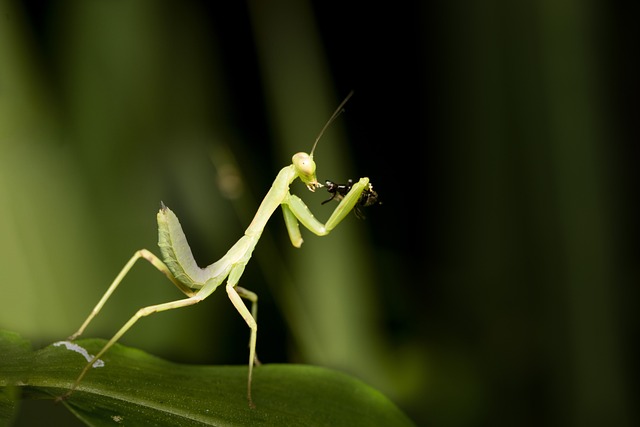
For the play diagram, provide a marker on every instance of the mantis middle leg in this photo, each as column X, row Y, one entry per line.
column 236, row 294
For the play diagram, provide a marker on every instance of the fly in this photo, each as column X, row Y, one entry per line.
column 339, row 191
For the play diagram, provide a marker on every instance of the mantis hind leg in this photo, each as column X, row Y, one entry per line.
column 145, row 311
column 142, row 253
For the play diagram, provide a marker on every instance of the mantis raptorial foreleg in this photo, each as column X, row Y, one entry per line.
column 294, row 205
column 197, row 283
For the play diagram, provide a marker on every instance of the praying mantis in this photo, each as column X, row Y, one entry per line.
column 179, row 266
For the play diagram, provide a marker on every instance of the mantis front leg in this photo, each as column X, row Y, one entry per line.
column 295, row 210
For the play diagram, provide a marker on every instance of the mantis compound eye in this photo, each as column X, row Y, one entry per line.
column 304, row 163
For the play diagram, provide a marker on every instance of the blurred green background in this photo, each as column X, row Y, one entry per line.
column 495, row 285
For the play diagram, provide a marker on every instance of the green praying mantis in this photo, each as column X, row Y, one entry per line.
column 178, row 264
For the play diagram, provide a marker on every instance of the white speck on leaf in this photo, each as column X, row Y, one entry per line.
column 75, row 347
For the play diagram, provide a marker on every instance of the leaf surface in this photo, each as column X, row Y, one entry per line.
column 135, row 388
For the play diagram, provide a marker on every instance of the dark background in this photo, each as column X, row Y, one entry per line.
column 496, row 283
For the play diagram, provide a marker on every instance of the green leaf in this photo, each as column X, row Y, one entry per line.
column 14, row 350
column 135, row 388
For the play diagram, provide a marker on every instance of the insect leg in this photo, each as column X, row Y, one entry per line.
column 143, row 253
column 237, row 302
column 145, row 311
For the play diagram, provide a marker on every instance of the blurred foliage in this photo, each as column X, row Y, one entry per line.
column 494, row 284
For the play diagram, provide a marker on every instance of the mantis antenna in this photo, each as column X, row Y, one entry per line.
column 334, row 116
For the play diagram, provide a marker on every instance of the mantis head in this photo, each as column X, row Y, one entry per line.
column 306, row 170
